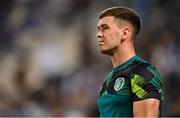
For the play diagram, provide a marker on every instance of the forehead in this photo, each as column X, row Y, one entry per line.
column 106, row 20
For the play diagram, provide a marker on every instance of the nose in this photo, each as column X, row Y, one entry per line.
column 99, row 34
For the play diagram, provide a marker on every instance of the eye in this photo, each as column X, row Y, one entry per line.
column 105, row 27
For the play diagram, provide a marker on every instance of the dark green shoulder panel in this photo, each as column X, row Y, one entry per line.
column 140, row 68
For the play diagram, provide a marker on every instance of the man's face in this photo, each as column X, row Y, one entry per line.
column 108, row 35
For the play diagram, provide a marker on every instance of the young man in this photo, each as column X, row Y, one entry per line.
column 133, row 88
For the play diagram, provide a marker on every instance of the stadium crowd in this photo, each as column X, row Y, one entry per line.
column 50, row 64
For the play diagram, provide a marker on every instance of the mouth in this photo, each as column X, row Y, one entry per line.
column 101, row 43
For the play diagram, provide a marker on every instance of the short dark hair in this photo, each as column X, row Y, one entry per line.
column 124, row 13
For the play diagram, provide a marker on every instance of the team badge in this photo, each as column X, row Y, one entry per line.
column 119, row 83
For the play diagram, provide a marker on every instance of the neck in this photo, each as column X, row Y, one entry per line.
column 122, row 56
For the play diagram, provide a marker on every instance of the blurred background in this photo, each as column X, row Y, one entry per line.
column 50, row 64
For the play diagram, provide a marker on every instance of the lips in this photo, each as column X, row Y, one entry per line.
column 101, row 43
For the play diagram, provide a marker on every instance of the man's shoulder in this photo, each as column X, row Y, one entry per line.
column 142, row 68
column 139, row 67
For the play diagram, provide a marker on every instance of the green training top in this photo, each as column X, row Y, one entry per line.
column 134, row 80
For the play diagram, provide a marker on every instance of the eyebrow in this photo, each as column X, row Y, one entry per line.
column 102, row 25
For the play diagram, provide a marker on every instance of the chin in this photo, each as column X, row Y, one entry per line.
column 107, row 52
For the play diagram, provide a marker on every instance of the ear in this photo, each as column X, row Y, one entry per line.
column 125, row 33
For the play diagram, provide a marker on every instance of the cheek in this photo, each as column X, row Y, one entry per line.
column 117, row 34
column 116, row 37
column 113, row 38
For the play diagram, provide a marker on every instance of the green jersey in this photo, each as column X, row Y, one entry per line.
column 132, row 81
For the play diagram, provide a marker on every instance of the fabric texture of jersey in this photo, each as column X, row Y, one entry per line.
column 134, row 80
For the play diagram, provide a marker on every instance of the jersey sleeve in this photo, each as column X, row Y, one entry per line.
column 145, row 83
